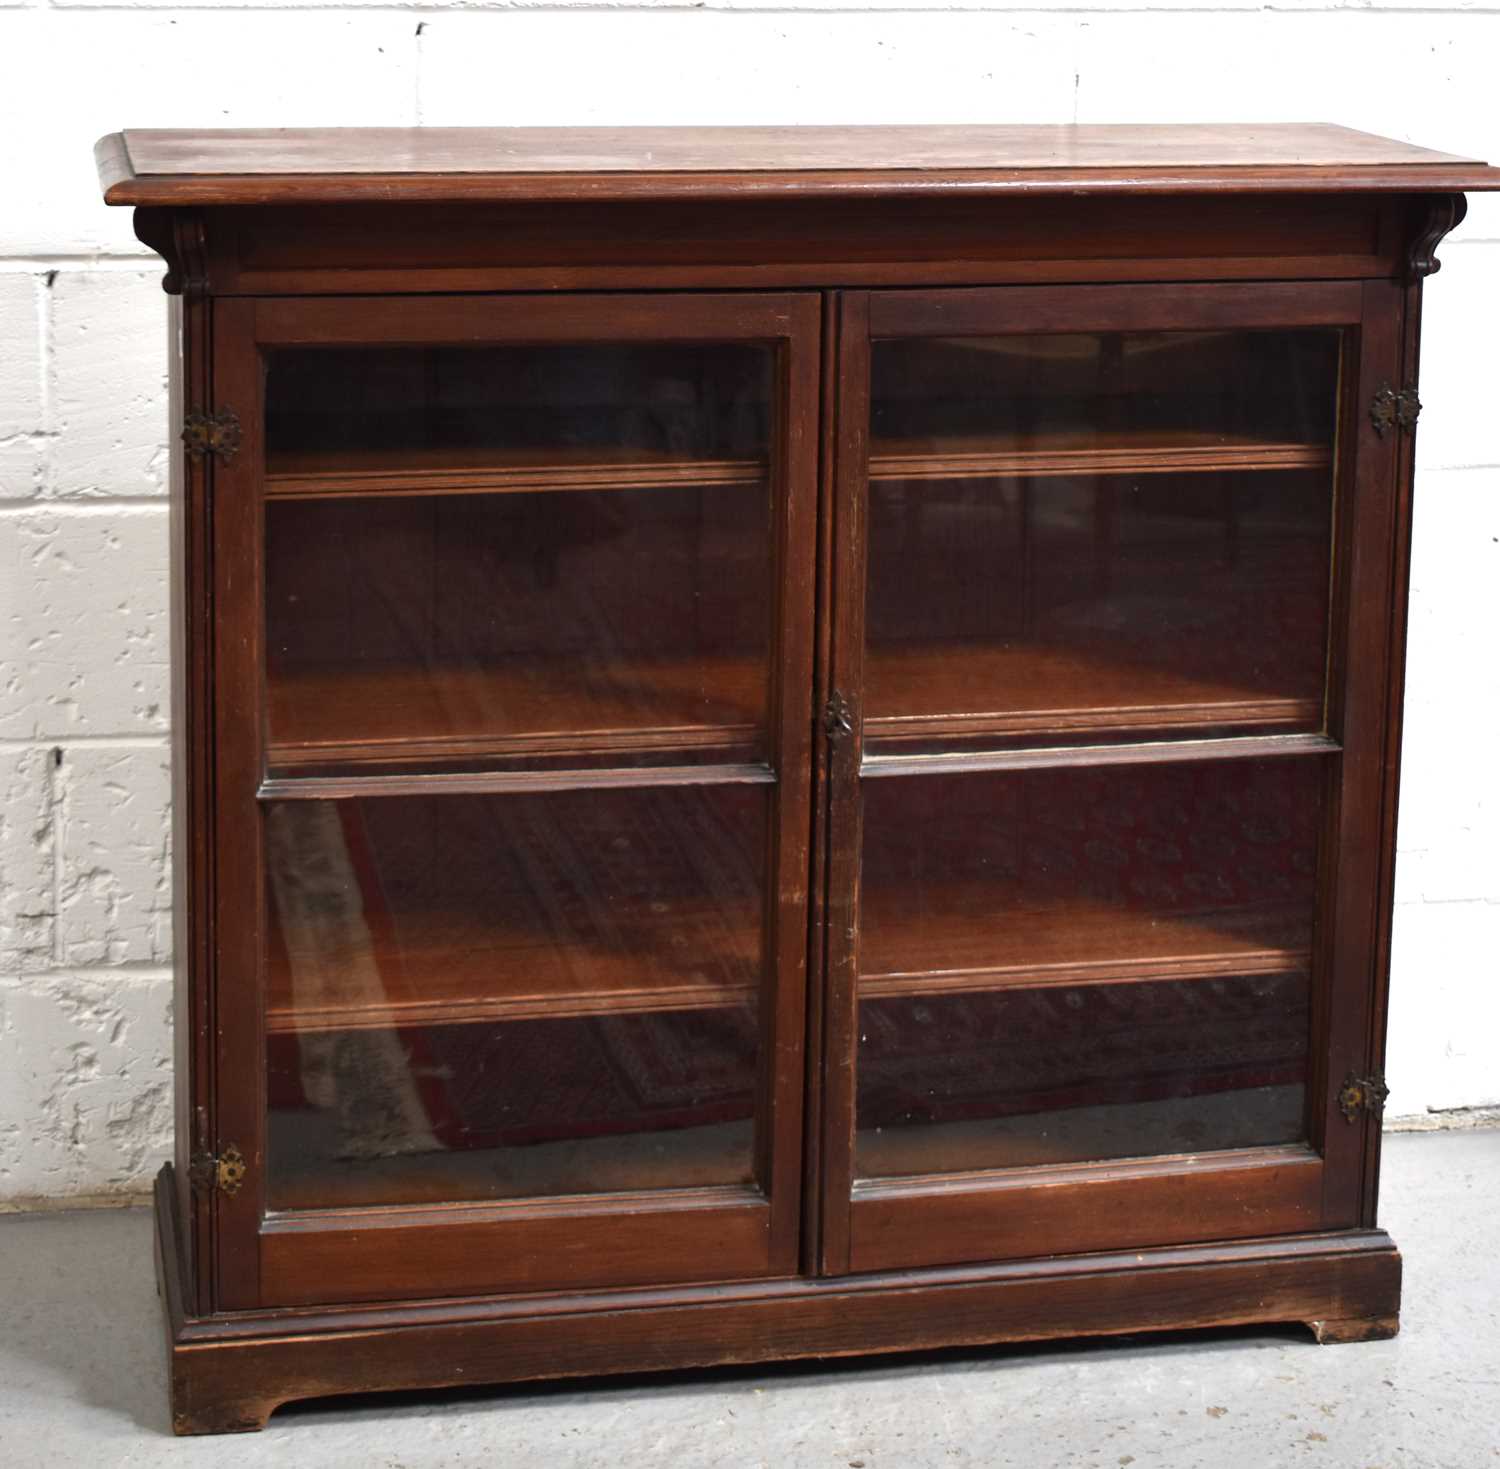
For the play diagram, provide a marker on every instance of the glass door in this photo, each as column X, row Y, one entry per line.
column 511, row 875
column 1093, row 727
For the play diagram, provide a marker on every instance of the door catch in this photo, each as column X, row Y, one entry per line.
column 1390, row 409
column 838, row 717
column 212, row 433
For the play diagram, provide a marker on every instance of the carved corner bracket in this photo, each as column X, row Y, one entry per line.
column 179, row 237
column 1436, row 215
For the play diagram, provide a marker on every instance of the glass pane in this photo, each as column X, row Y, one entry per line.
column 1100, row 535
column 484, row 997
column 493, row 555
column 1159, row 919
column 1021, row 1077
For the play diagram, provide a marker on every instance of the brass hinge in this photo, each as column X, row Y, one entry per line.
column 1390, row 409
column 1362, row 1093
column 225, row 1173
column 212, row 433
column 838, row 717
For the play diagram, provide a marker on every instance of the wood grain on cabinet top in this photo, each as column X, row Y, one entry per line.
column 329, row 165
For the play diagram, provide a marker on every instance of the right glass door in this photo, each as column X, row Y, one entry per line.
column 1089, row 767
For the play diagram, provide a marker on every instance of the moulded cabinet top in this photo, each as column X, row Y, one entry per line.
column 332, row 165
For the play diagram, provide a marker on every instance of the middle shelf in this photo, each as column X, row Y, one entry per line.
column 911, row 944
column 421, row 910
column 711, row 706
column 322, row 716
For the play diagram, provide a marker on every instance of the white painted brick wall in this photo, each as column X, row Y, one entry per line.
column 84, row 936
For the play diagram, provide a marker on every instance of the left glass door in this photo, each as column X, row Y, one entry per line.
column 514, row 599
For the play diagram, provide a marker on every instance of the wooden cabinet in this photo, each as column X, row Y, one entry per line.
column 786, row 741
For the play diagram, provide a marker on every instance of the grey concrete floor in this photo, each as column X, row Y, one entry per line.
column 82, row 1382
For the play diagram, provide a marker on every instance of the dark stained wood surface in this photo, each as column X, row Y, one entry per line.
column 230, row 1373
column 786, row 241
column 246, row 166
column 899, row 1223
column 598, row 1240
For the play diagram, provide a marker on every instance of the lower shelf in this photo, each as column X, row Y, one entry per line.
column 228, row 1373
column 1200, row 1122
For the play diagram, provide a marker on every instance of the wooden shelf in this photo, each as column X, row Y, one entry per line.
column 1146, row 451
column 927, row 691
column 327, row 718
column 972, row 941
column 446, row 982
column 339, row 717
column 323, row 474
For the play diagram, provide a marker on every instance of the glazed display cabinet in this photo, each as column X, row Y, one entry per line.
column 786, row 740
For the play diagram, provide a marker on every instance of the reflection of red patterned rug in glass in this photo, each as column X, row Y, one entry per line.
column 373, row 900
column 536, row 1081
column 532, row 1081
column 955, row 1058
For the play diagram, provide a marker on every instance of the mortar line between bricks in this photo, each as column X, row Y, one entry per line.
column 45, row 455
column 81, row 506
column 55, row 816
column 40, row 262
column 133, row 974
column 14, row 746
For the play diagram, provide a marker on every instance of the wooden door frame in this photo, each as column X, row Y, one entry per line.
column 999, row 1214
column 374, row 1254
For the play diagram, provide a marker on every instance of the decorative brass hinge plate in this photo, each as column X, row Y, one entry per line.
column 838, row 717
column 225, row 1173
column 1362, row 1094
column 1390, row 409
column 212, row 433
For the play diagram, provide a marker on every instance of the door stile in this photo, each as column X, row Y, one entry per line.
column 841, row 736
column 190, row 390
column 794, row 481
column 238, row 763
column 1395, row 699
column 1346, row 500
column 810, row 1253
column 1377, row 537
